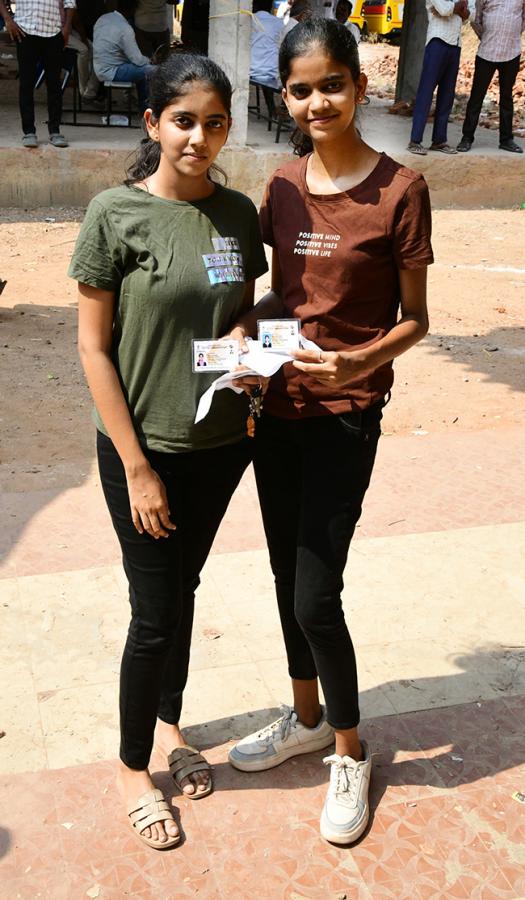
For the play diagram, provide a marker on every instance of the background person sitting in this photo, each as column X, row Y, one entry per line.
column 116, row 56
column 88, row 82
column 264, row 45
column 300, row 11
column 153, row 20
column 40, row 36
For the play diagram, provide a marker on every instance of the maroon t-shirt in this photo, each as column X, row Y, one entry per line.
column 339, row 256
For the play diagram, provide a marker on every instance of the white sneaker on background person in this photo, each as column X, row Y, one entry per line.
column 284, row 738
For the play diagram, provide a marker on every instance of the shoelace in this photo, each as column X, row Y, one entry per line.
column 281, row 725
column 343, row 778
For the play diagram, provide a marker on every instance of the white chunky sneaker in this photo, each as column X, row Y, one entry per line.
column 284, row 738
column 345, row 813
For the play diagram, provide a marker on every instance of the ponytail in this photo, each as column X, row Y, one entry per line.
column 302, row 144
column 146, row 162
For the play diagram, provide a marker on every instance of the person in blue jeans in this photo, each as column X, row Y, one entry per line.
column 440, row 69
column 116, row 56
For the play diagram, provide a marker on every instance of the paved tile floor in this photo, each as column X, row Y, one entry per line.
column 436, row 600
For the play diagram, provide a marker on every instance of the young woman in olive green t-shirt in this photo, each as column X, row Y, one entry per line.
column 145, row 291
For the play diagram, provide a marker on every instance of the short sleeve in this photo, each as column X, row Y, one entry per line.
column 413, row 228
column 97, row 256
column 255, row 263
column 265, row 217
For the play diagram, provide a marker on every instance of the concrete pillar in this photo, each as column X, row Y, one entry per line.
column 229, row 46
column 412, row 49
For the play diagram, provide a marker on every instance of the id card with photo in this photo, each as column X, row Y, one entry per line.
column 214, row 356
column 279, row 334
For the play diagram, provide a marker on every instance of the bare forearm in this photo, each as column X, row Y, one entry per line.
column 107, row 394
column 4, row 11
column 408, row 332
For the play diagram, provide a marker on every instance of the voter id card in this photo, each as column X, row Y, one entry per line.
column 214, row 356
column 279, row 334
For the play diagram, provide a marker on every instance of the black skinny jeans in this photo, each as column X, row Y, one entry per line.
column 312, row 475
column 163, row 576
column 48, row 50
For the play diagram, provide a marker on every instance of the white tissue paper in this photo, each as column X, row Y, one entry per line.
column 259, row 362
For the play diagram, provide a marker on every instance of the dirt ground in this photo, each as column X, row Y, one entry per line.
column 469, row 373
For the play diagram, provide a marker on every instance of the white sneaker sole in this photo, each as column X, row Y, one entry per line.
column 261, row 765
column 347, row 838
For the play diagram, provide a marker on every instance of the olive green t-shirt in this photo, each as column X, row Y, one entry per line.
column 150, row 251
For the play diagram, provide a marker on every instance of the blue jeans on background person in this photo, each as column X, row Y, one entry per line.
column 440, row 68
column 139, row 76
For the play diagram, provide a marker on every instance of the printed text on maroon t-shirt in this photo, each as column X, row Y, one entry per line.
column 312, row 244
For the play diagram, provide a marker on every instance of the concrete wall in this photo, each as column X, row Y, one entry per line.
column 44, row 177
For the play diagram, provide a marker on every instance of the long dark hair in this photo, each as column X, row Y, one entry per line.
column 331, row 38
column 169, row 81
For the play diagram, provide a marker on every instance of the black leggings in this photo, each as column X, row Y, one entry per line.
column 312, row 475
column 163, row 576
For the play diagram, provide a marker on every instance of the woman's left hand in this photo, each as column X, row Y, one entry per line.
column 330, row 367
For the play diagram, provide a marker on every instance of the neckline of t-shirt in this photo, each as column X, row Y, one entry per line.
column 341, row 195
column 150, row 196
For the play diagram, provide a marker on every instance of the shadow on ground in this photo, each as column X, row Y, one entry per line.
column 498, row 355
column 47, row 435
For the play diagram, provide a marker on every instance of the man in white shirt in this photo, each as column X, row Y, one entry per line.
column 440, row 69
column 116, row 56
column 499, row 25
column 343, row 11
column 41, row 30
column 153, row 20
column 264, row 45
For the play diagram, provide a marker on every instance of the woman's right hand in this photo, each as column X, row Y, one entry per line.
column 149, row 502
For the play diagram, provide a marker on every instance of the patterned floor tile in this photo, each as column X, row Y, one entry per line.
column 436, row 832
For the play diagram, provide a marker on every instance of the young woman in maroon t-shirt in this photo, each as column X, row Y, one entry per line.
column 350, row 232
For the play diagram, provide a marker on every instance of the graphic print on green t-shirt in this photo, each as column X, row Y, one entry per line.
column 149, row 251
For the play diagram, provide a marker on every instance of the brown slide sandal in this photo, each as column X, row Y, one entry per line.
column 148, row 810
column 184, row 761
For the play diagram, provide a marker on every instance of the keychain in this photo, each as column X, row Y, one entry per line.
column 256, row 402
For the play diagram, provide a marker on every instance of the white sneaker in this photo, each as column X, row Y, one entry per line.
column 284, row 738
column 345, row 813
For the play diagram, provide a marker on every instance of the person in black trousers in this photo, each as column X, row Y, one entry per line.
column 40, row 31
column 499, row 27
